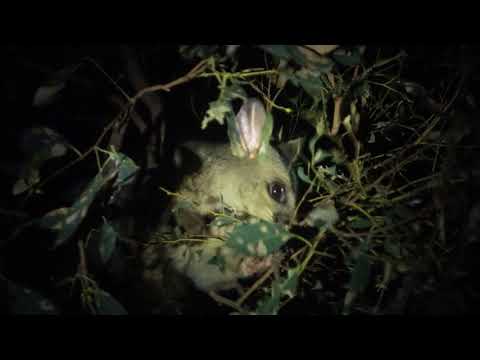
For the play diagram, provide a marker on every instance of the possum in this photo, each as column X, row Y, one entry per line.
column 217, row 182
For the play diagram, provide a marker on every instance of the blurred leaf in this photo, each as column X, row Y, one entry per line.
column 25, row 301
column 361, row 271
column 320, row 155
column 21, row 185
column 191, row 52
column 66, row 220
column 38, row 144
column 219, row 261
column 270, row 305
column 126, row 169
column 49, row 92
column 403, row 212
column 257, row 238
column 301, row 174
column 31, row 177
column 324, row 215
column 217, row 110
column 182, row 204
column 221, row 108
column 312, row 83
column 286, row 52
column 220, row 221
column 392, row 247
column 347, row 58
column 360, row 223
column 107, row 240
column 106, row 304
column 322, row 49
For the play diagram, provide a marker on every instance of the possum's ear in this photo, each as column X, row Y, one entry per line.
column 291, row 150
column 186, row 160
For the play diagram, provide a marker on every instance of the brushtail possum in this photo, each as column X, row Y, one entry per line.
column 219, row 182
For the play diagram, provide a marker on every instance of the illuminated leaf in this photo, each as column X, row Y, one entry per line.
column 66, row 220
column 301, row 174
column 126, row 168
column 220, row 221
column 257, row 238
column 324, row 215
column 221, row 108
column 270, row 305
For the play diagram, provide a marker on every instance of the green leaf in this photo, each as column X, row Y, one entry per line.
column 106, row 304
column 361, row 271
column 218, row 110
column 41, row 143
column 257, row 238
column 190, row 52
column 312, row 83
column 360, row 223
column 392, row 247
column 302, row 176
column 222, row 109
column 347, row 58
column 220, row 221
column 270, row 305
column 66, row 220
column 324, row 215
column 126, row 169
column 285, row 52
column 107, row 240
column 38, row 144
column 279, row 51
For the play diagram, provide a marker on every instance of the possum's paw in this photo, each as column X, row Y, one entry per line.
column 253, row 265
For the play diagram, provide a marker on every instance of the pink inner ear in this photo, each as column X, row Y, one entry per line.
column 250, row 121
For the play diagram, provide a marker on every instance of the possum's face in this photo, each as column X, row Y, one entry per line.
column 261, row 187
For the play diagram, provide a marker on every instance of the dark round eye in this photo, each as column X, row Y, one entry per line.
column 278, row 192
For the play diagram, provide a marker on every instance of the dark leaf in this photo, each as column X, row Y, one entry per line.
column 107, row 241
column 361, row 271
column 108, row 305
column 29, row 302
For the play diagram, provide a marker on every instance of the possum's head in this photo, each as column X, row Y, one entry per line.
column 262, row 187
column 249, row 176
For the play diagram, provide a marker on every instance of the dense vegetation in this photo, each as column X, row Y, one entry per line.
column 388, row 178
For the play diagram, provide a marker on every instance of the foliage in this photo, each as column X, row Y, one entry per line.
column 372, row 207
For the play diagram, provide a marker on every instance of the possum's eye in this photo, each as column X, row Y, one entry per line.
column 278, row 192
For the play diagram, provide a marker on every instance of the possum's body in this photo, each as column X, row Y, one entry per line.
column 214, row 181
column 218, row 181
